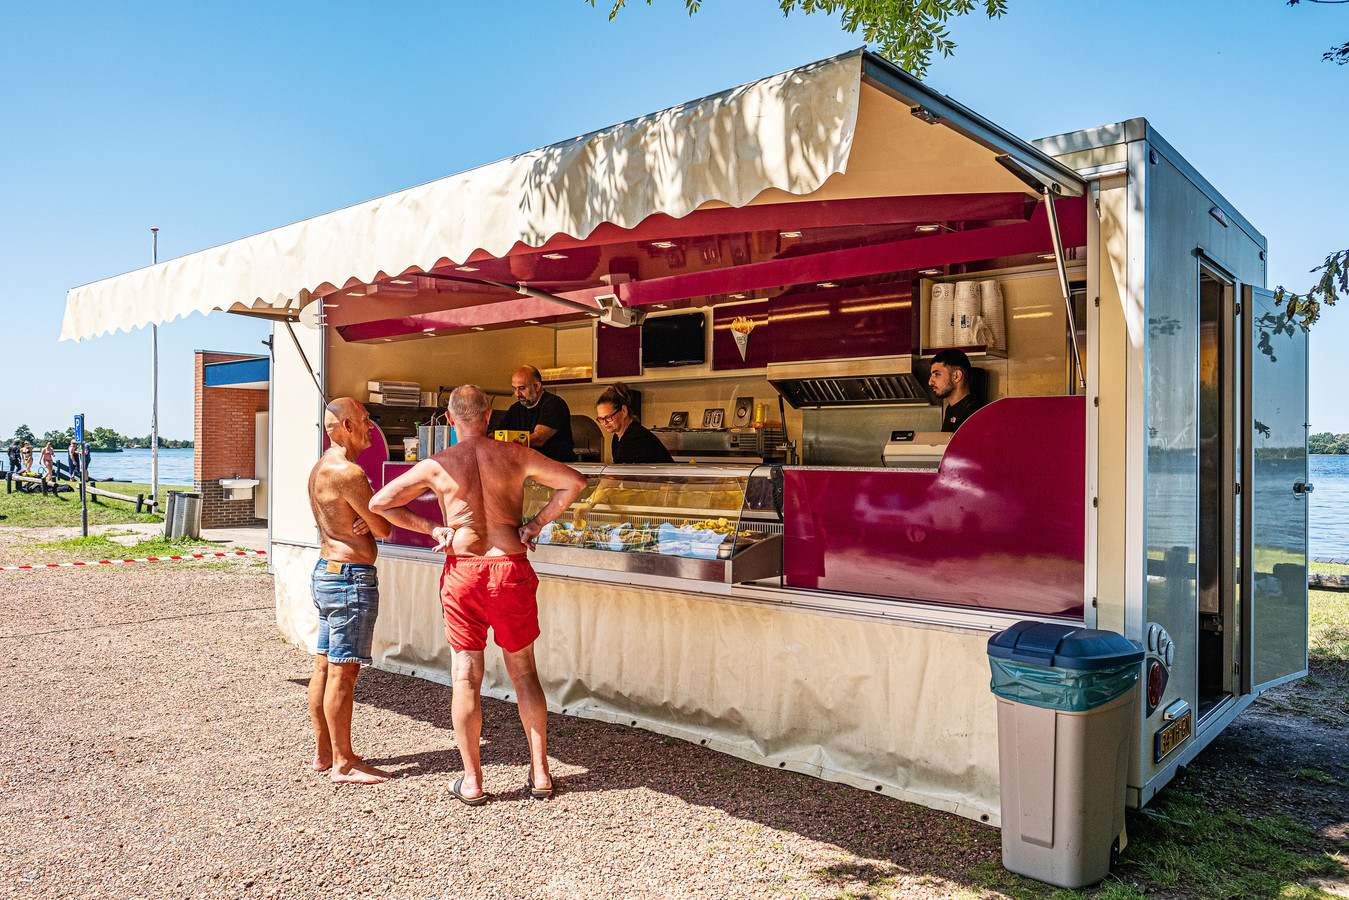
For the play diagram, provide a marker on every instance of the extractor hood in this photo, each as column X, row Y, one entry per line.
column 869, row 381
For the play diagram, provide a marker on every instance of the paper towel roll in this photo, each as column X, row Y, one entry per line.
column 968, row 307
column 941, row 323
column 991, row 294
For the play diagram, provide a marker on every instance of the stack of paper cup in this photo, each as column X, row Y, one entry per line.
column 968, row 307
column 993, row 312
column 941, row 321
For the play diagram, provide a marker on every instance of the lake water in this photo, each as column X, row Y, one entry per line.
column 1329, row 510
column 175, row 466
column 1330, row 506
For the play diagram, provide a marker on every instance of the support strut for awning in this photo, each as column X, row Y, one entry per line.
column 304, row 359
column 1062, row 269
column 611, row 311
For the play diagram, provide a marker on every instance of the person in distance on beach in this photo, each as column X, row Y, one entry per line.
column 27, row 452
column 345, row 587
column 488, row 581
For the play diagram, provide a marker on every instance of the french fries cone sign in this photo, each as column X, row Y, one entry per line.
column 740, row 329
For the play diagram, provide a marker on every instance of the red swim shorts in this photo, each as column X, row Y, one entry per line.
column 497, row 592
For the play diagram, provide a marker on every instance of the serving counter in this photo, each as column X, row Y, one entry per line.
column 704, row 523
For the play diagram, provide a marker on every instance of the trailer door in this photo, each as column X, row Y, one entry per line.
column 1274, row 585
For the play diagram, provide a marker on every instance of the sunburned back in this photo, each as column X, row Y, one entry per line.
column 330, row 493
column 480, row 483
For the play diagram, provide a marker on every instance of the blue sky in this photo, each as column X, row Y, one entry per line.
column 216, row 122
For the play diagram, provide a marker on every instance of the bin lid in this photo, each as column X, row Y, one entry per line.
column 1064, row 646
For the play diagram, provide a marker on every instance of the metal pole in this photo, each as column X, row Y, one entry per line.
column 154, row 387
column 84, row 498
column 1062, row 269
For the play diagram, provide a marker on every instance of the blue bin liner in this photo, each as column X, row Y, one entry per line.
column 1062, row 667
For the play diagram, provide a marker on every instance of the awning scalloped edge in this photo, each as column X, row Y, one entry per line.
column 789, row 132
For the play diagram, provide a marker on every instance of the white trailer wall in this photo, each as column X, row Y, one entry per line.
column 898, row 709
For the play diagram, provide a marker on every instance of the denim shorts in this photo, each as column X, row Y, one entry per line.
column 348, row 602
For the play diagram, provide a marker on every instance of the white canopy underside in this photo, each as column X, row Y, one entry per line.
column 790, row 132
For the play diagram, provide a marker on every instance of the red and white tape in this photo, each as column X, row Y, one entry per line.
column 113, row 562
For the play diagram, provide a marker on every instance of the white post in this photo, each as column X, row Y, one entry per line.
column 154, row 388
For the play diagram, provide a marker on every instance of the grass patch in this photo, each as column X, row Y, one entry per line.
column 1328, row 627
column 36, row 511
column 1315, row 775
column 99, row 547
column 1222, row 853
column 1328, row 568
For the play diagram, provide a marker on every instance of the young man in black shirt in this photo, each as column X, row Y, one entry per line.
column 545, row 416
column 950, row 381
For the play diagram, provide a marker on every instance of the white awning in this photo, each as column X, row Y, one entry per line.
column 790, row 132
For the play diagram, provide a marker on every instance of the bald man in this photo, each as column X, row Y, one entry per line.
column 544, row 415
column 345, row 588
column 487, row 581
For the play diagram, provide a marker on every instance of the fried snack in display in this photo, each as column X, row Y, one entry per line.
column 742, row 325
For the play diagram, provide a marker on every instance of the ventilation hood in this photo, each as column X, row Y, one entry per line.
column 871, row 381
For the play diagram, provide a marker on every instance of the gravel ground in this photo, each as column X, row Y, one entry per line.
column 156, row 744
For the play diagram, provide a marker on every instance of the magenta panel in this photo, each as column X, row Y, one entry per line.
column 841, row 324
column 374, row 462
column 425, row 505
column 1000, row 526
column 618, row 352
column 759, row 346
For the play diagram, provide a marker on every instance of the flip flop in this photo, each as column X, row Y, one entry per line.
column 468, row 801
column 537, row 793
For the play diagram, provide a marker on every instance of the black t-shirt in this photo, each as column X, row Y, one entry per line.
column 639, row 445
column 552, row 412
column 956, row 414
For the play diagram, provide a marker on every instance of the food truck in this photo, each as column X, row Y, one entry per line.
column 812, row 583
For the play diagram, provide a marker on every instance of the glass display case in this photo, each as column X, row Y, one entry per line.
column 710, row 523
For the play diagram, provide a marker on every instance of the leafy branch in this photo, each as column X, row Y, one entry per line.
column 1338, row 55
column 1334, row 282
column 908, row 32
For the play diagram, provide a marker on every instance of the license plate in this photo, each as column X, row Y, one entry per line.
column 1170, row 737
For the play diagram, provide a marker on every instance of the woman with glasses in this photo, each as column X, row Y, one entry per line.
column 633, row 442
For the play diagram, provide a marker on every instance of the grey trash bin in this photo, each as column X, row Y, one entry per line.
column 1067, row 709
column 170, row 502
column 187, row 515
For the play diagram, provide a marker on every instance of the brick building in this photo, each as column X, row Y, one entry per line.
column 230, row 436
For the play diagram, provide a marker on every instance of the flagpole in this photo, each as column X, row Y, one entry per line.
column 154, row 387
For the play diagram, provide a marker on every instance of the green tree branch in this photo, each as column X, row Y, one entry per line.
column 1306, row 308
column 908, row 32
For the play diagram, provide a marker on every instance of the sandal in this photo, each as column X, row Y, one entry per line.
column 468, row 801
column 537, row 793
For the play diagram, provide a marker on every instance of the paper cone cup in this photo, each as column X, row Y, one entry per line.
column 741, row 342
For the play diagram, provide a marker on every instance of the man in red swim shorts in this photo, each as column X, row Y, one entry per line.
column 488, row 581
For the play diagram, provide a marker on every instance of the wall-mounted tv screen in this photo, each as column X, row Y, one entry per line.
column 674, row 340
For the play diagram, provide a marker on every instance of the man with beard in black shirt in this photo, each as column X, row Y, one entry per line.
column 545, row 416
column 950, row 381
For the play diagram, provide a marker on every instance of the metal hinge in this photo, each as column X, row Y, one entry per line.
column 1238, row 488
column 1238, row 307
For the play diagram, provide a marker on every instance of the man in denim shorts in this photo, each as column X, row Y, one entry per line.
column 487, row 582
column 345, row 587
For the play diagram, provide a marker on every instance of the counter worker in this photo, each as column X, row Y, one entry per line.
column 950, row 381
column 633, row 442
column 545, row 416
